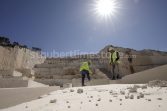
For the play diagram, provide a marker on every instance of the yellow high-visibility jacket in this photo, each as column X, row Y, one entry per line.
column 113, row 57
column 85, row 66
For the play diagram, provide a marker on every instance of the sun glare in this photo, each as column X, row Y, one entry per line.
column 106, row 8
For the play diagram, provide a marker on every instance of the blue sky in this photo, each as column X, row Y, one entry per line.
column 66, row 25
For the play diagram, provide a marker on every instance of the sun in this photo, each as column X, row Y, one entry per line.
column 106, row 8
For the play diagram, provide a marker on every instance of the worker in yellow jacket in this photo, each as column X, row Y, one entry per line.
column 85, row 71
column 114, row 62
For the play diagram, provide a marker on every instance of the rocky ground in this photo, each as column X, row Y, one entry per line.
column 129, row 97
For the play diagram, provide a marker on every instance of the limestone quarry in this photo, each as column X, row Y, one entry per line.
column 19, row 64
column 26, row 75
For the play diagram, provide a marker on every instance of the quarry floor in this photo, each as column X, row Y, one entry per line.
column 97, row 98
column 14, row 96
column 116, row 97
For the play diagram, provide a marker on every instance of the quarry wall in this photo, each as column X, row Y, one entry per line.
column 58, row 71
column 68, row 68
column 16, row 58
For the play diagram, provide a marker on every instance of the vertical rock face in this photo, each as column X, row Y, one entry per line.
column 67, row 69
column 132, row 61
column 15, row 58
column 64, row 68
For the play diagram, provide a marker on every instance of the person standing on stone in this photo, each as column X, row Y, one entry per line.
column 85, row 71
column 114, row 62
